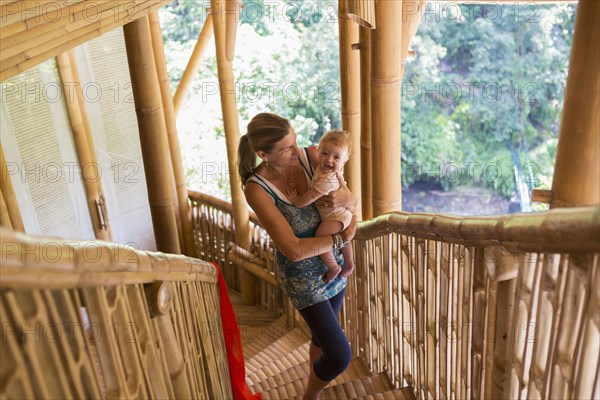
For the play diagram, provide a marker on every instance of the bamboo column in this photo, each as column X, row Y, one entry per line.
column 232, row 17
column 193, row 64
column 232, row 137
column 350, row 89
column 185, row 215
column 397, row 23
column 576, row 179
column 10, row 199
column 146, row 92
column 4, row 215
column 82, row 135
column 386, row 80
column 366, row 179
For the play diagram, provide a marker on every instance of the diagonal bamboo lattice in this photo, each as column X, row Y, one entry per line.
column 102, row 320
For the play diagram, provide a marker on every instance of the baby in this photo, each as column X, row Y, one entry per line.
column 334, row 150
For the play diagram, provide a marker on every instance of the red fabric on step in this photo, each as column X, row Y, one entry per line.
column 233, row 344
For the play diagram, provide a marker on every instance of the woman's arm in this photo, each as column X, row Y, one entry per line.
column 282, row 234
column 309, row 197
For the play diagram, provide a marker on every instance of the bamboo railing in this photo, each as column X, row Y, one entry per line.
column 491, row 307
column 102, row 320
column 461, row 307
column 215, row 241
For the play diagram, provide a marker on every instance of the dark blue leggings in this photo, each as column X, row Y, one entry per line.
column 327, row 334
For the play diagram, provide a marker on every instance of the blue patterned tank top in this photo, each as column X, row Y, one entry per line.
column 302, row 280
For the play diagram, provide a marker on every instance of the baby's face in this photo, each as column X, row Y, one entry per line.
column 332, row 157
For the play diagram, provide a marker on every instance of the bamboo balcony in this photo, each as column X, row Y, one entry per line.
column 438, row 307
column 443, row 306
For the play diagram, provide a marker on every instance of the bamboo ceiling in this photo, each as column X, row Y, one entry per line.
column 32, row 32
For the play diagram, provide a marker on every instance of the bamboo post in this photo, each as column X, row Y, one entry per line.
column 80, row 127
column 386, row 80
column 146, row 92
column 4, row 215
column 193, row 64
column 366, row 167
column 576, row 179
column 232, row 17
column 170, row 128
column 350, row 90
column 232, row 136
column 185, row 216
column 8, row 193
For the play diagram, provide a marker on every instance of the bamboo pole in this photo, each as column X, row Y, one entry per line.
column 350, row 90
column 193, row 64
column 386, row 80
column 183, row 211
column 81, row 130
column 576, row 179
column 146, row 92
column 232, row 17
column 232, row 136
column 366, row 179
column 8, row 192
column 4, row 215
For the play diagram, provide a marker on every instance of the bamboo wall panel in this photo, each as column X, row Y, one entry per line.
column 43, row 166
column 32, row 32
column 97, row 328
column 115, row 133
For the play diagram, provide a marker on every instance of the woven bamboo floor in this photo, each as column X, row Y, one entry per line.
column 277, row 362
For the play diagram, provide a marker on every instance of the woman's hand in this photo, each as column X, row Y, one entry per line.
column 350, row 231
column 340, row 198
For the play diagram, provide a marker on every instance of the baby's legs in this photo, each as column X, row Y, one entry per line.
column 348, row 261
column 326, row 228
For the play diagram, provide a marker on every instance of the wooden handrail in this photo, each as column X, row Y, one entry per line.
column 250, row 263
column 133, row 323
column 559, row 230
column 42, row 262
column 217, row 203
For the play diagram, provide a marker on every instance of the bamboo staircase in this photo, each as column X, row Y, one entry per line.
column 277, row 362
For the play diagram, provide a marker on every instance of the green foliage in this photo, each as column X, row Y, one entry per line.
column 503, row 81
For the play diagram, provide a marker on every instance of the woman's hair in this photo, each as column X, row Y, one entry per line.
column 337, row 137
column 264, row 131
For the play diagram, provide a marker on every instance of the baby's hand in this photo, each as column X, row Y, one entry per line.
column 292, row 195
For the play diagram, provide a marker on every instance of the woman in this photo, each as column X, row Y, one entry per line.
column 286, row 167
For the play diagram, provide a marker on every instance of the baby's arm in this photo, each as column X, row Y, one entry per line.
column 307, row 198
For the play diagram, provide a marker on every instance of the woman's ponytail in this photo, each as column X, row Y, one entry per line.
column 246, row 159
column 264, row 131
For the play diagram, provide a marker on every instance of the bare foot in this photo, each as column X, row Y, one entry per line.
column 332, row 273
column 347, row 270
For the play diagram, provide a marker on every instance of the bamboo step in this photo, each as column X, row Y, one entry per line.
column 356, row 369
column 294, row 357
column 396, row 394
column 357, row 388
column 277, row 349
column 256, row 338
